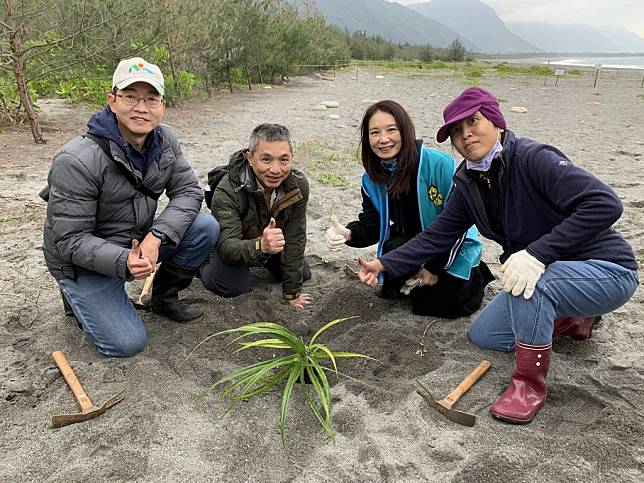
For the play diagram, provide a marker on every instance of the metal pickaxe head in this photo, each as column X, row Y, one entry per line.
column 444, row 406
column 86, row 413
column 88, row 409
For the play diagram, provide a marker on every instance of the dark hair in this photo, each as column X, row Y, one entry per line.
column 403, row 180
column 270, row 133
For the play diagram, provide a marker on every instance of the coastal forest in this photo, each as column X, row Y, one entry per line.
column 69, row 49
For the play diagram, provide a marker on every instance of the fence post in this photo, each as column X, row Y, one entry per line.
column 597, row 67
column 356, row 72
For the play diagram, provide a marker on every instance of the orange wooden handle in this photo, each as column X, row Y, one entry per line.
column 465, row 385
column 72, row 381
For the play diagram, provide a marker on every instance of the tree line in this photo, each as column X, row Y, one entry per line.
column 70, row 49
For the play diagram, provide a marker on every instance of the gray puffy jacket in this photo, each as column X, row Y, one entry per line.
column 94, row 212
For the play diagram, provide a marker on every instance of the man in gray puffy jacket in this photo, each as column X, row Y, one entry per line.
column 101, row 229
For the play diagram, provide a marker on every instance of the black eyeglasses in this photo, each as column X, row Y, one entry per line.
column 132, row 100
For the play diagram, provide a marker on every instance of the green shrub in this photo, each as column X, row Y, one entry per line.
column 186, row 82
column 474, row 71
column 91, row 91
column 333, row 179
column 11, row 110
column 508, row 69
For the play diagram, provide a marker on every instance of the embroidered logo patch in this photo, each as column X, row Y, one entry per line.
column 435, row 196
column 140, row 67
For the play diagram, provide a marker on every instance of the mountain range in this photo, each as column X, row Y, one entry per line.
column 439, row 22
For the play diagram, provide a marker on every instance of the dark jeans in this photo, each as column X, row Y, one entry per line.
column 233, row 280
column 450, row 297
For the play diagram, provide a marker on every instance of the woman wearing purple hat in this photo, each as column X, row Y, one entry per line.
column 404, row 188
column 562, row 263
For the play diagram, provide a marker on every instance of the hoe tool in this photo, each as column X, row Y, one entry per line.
column 88, row 410
column 444, row 406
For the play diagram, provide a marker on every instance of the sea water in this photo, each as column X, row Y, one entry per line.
column 625, row 62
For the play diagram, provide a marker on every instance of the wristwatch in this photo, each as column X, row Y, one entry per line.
column 161, row 236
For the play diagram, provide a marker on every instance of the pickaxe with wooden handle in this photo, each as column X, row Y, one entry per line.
column 444, row 406
column 143, row 301
column 88, row 410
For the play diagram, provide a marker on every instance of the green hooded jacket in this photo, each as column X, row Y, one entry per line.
column 239, row 239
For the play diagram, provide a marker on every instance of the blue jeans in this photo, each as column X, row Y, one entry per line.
column 574, row 289
column 103, row 308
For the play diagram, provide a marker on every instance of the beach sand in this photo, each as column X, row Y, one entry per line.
column 591, row 428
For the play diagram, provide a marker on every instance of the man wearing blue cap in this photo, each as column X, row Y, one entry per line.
column 101, row 229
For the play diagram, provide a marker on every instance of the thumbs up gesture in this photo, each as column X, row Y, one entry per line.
column 369, row 271
column 337, row 235
column 272, row 240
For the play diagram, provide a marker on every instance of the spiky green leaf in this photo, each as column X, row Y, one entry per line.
column 326, row 326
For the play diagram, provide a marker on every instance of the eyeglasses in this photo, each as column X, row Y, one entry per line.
column 132, row 100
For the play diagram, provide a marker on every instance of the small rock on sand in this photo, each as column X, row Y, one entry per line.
column 519, row 109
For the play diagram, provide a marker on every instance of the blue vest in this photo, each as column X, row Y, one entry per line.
column 434, row 183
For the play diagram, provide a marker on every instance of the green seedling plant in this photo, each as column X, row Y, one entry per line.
column 303, row 363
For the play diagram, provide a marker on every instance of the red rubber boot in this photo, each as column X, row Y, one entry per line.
column 527, row 391
column 579, row 328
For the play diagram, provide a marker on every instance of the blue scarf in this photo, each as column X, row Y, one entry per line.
column 486, row 162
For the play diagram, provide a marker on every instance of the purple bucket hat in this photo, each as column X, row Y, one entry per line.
column 467, row 103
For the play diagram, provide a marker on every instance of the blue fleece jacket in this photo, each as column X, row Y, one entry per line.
column 548, row 206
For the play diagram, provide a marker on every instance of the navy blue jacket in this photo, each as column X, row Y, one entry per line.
column 546, row 205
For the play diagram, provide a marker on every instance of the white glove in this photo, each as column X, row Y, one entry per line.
column 520, row 273
column 424, row 278
column 410, row 285
column 337, row 235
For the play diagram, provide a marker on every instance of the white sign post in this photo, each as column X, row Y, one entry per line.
column 559, row 73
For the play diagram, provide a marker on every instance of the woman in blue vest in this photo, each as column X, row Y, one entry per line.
column 404, row 188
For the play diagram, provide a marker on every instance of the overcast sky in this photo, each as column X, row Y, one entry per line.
column 624, row 13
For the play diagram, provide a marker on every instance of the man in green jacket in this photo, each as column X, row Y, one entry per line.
column 261, row 208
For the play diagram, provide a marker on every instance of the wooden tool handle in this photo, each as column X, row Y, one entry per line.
column 147, row 285
column 68, row 373
column 465, row 385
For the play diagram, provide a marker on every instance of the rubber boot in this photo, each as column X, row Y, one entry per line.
column 579, row 328
column 168, row 281
column 527, row 391
column 68, row 309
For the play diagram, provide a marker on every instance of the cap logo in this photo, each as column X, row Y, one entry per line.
column 140, row 67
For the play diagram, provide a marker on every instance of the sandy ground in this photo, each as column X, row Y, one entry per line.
column 591, row 429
